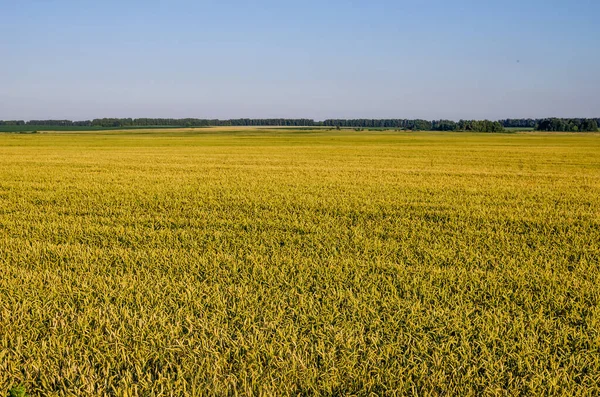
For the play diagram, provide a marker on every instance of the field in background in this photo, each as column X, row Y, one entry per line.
column 299, row 262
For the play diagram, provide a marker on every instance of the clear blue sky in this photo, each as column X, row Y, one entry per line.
column 317, row 59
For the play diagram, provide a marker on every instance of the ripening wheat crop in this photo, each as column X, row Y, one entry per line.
column 251, row 262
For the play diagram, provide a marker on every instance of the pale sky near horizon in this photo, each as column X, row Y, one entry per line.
column 314, row 59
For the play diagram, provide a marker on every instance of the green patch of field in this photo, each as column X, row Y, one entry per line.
column 518, row 129
column 261, row 262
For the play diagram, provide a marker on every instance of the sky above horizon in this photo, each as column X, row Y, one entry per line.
column 436, row 59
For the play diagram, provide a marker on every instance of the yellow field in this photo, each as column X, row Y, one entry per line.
column 281, row 262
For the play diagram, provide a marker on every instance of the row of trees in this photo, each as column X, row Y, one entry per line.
column 405, row 124
column 480, row 126
column 162, row 122
column 554, row 124
column 420, row 125
column 575, row 125
column 520, row 123
column 190, row 122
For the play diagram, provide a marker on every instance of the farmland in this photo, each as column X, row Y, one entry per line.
column 294, row 262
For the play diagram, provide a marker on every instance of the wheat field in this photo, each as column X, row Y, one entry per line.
column 289, row 262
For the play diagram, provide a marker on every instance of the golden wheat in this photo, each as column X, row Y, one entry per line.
column 249, row 262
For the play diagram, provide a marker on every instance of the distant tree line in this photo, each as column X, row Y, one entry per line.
column 575, row 125
column 404, row 124
column 420, row 125
column 552, row 124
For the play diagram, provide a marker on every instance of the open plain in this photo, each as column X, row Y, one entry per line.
column 224, row 261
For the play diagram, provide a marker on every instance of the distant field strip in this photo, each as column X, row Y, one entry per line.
column 282, row 262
